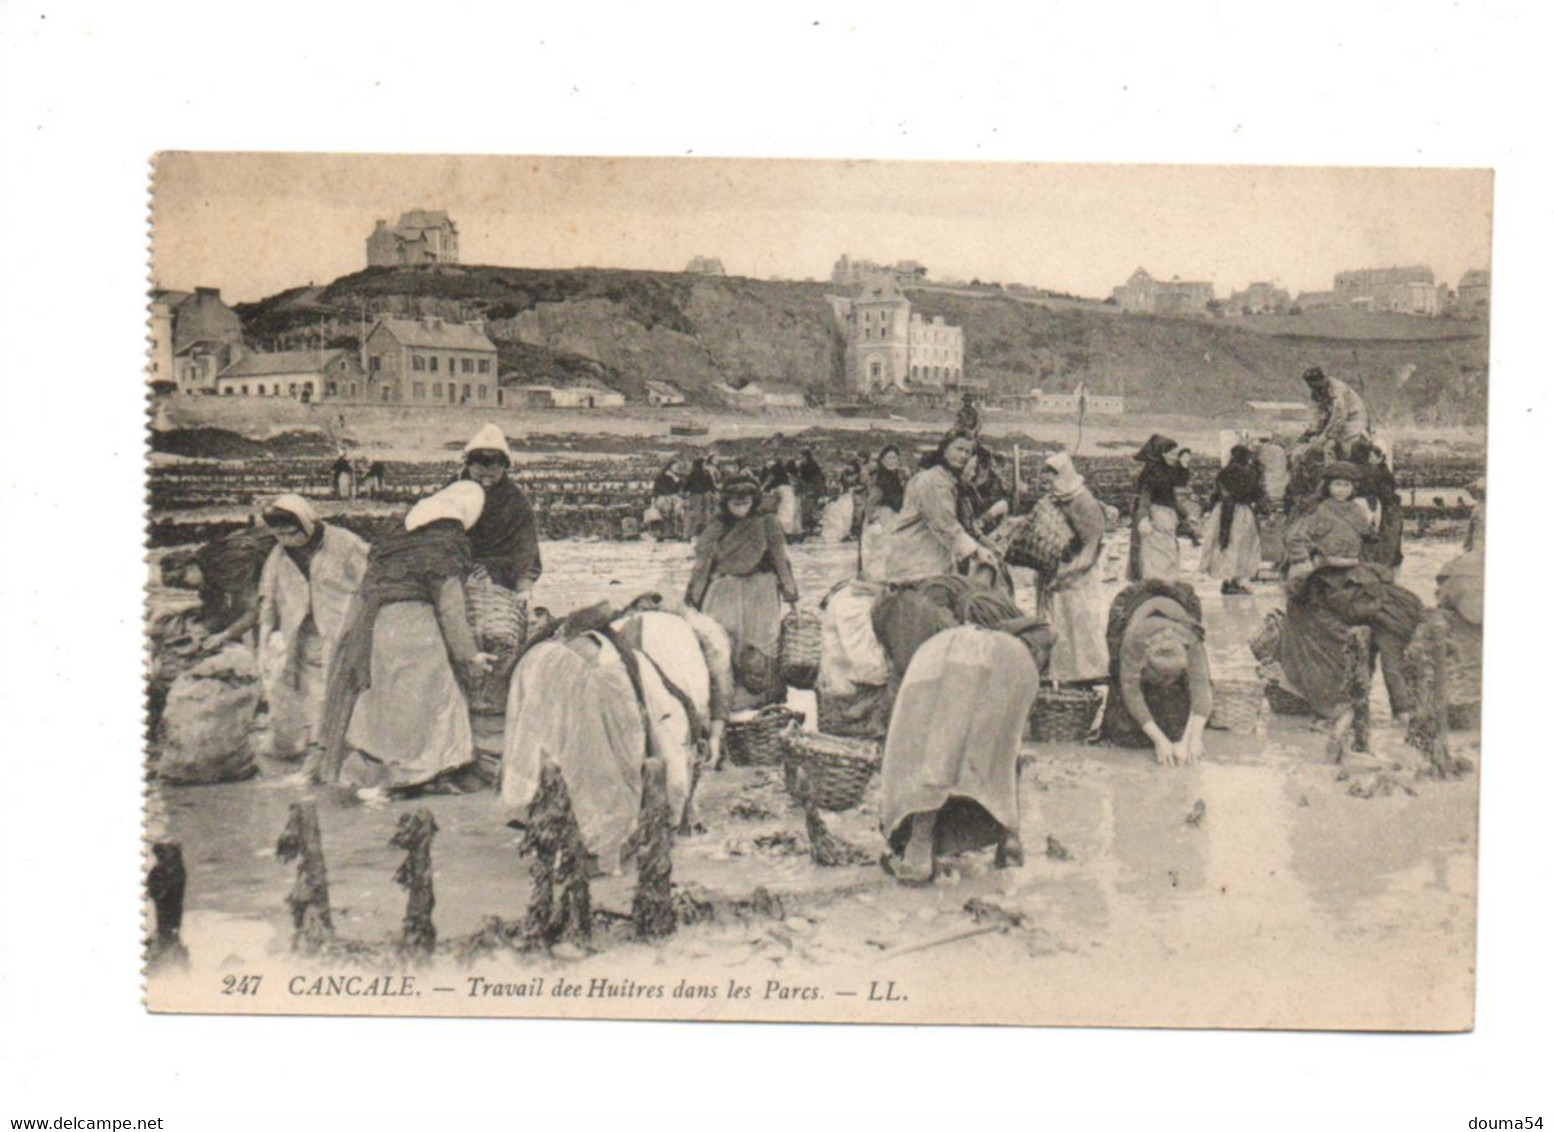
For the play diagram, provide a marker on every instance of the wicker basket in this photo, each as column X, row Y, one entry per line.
column 1063, row 715
column 1039, row 540
column 798, row 648
column 757, row 741
column 1238, row 706
column 498, row 615
column 836, row 771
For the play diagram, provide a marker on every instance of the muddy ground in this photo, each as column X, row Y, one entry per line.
column 1256, row 888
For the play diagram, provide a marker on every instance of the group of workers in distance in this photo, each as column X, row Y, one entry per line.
column 372, row 652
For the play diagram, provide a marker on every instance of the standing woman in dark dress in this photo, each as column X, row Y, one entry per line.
column 696, row 505
column 1153, row 550
column 1232, row 550
column 1378, row 487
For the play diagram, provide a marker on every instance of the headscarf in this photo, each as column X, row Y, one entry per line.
column 935, row 459
column 1069, row 482
column 490, row 438
column 1165, row 653
column 699, row 480
column 462, row 500
column 1239, row 483
column 1155, row 449
column 1342, row 470
column 298, row 508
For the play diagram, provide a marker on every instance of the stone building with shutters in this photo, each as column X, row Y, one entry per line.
column 431, row 361
column 890, row 347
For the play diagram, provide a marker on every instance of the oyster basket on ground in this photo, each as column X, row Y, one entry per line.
column 835, row 771
column 757, row 741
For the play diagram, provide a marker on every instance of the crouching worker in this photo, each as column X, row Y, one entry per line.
column 1331, row 590
column 967, row 677
column 587, row 707
column 305, row 590
column 394, row 699
column 1160, row 694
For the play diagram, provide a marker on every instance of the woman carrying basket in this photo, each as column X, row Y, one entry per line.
column 394, row 691
column 740, row 579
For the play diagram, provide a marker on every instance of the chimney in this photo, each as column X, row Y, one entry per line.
column 208, row 293
column 381, row 224
column 478, row 325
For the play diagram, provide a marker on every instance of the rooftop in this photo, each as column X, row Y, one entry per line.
column 437, row 333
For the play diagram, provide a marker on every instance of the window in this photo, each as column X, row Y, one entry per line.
column 228, row 391
column 291, row 390
column 485, row 365
column 437, row 391
column 480, row 392
column 466, row 390
column 418, row 363
column 420, row 391
column 374, row 364
column 353, row 388
column 468, row 366
column 432, row 363
column 277, row 389
column 385, row 392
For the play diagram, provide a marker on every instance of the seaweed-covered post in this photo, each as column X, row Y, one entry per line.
column 558, row 859
column 414, row 835
column 1430, row 678
column 312, row 924
column 165, row 886
column 1359, row 662
column 652, row 907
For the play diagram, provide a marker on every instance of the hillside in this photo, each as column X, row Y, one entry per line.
column 626, row 327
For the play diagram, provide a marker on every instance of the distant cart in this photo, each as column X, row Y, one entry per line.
column 688, row 430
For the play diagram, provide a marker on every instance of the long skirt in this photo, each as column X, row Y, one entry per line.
column 749, row 608
column 296, row 710
column 1079, row 630
column 573, row 705
column 1243, row 557
column 954, row 741
column 1316, row 629
column 696, row 512
column 1155, row 555
column 413, row 721
column 789, row 515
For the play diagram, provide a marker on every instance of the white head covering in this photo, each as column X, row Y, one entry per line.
column 1069, row 480
column 462, row 500
column 307, row 518
column 492, row 437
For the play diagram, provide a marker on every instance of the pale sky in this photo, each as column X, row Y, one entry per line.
column 255, row 224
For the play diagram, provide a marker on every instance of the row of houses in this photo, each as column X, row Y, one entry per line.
column 1403, row 290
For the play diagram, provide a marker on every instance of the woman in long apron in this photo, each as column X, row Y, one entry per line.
column 1153, row 551
column 741, row 578
column 394, row 697
column 1232, row 549
column 1073, row 599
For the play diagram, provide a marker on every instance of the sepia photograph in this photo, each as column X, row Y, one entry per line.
column 815, row 590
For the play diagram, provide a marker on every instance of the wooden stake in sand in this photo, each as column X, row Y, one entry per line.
column 164, row 886
column 652, row 907
column 312, row 924
column 554, row 844
column 414, row 835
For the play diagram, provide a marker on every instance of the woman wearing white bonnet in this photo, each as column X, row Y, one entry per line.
column 1074, row 596
column 396, row 715
column 305, row 592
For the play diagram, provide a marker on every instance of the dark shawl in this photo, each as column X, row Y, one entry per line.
column 700, row 481
column 738, row 548
column 667, row 483
column 892, row 490
column 1239, row 483
column 505, row 540
column 405, row 566
column 1157, row 481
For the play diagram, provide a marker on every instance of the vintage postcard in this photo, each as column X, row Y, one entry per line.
column 815, row 591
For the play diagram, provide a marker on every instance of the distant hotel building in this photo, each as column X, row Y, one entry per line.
column 1407, row 290
column 890, row 347
column 849, row 272
column 1473, row 294
column 422, row 236
column 1259, row 298
column 1144, row 294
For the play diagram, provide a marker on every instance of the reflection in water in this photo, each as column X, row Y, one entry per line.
column 1284, row 868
